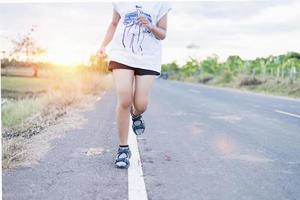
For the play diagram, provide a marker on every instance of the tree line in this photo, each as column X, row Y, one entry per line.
column 281, row 66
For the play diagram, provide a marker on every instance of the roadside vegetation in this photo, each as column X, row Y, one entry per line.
column 278, row 75
column 32, row 104
column 37, row 94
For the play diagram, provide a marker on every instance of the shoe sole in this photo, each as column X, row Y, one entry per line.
column 122, row 167
column 126, row 166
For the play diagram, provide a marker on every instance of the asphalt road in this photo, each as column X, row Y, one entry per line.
column 201, row 143
column 67, row 172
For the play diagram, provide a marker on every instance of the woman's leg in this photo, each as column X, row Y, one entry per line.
column 123, row 79
column 141, row 93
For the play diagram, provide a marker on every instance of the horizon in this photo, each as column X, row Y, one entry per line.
column 71, row 32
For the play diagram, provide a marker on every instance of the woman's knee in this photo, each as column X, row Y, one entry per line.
column 141, row 106
column 125, row 101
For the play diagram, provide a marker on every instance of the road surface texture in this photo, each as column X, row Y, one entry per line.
column 200, row 143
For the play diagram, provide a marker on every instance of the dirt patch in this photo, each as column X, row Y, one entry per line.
column 26, row 144
column 250, row 81
column 11, row 94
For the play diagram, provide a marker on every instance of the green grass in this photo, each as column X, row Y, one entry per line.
column 60, row 91
column 63, row 90
column 282, row 87
column 24, row 84
column 14, row 112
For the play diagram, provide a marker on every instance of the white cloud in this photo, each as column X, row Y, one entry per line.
column 270, row 29
column 250, row 29
column 277, row 14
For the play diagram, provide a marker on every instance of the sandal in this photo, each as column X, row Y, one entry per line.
column 138, row 124
column 122, row 159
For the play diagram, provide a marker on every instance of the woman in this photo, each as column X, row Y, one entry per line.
column 135, row 60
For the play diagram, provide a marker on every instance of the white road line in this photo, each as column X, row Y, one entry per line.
column 136, row 183
column 287, row 113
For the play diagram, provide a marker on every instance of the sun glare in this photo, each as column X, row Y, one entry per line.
column 65, row 59
column 65, row 53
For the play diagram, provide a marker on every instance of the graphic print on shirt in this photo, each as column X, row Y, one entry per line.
column 134, row 33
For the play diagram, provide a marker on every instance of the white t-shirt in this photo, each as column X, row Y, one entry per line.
column 134, row 45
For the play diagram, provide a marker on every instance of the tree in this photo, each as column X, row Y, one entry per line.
column 170, row 67
column 27, row 47
column 234, row 64
column 210, row 65
column 192, row 67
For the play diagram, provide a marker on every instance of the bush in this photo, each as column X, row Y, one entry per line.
column 205, row 79
column 226, row 77
column 250, row 81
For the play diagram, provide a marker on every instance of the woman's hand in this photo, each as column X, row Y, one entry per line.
column 109, row 34
column 159, row 30
column 145, row 22
column 101, row 52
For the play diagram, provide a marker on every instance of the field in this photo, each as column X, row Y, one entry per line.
column 15, row 87
column 30, row 105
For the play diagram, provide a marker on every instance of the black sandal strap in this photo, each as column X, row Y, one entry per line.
column 133, row 115
column 124, row 159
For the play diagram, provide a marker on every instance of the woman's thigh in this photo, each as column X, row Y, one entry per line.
column 123, row 79
column 142, row 88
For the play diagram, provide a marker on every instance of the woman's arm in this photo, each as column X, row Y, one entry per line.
column 159, row 30
column 110, row 32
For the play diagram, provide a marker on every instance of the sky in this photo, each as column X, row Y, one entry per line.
column 71, row 32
